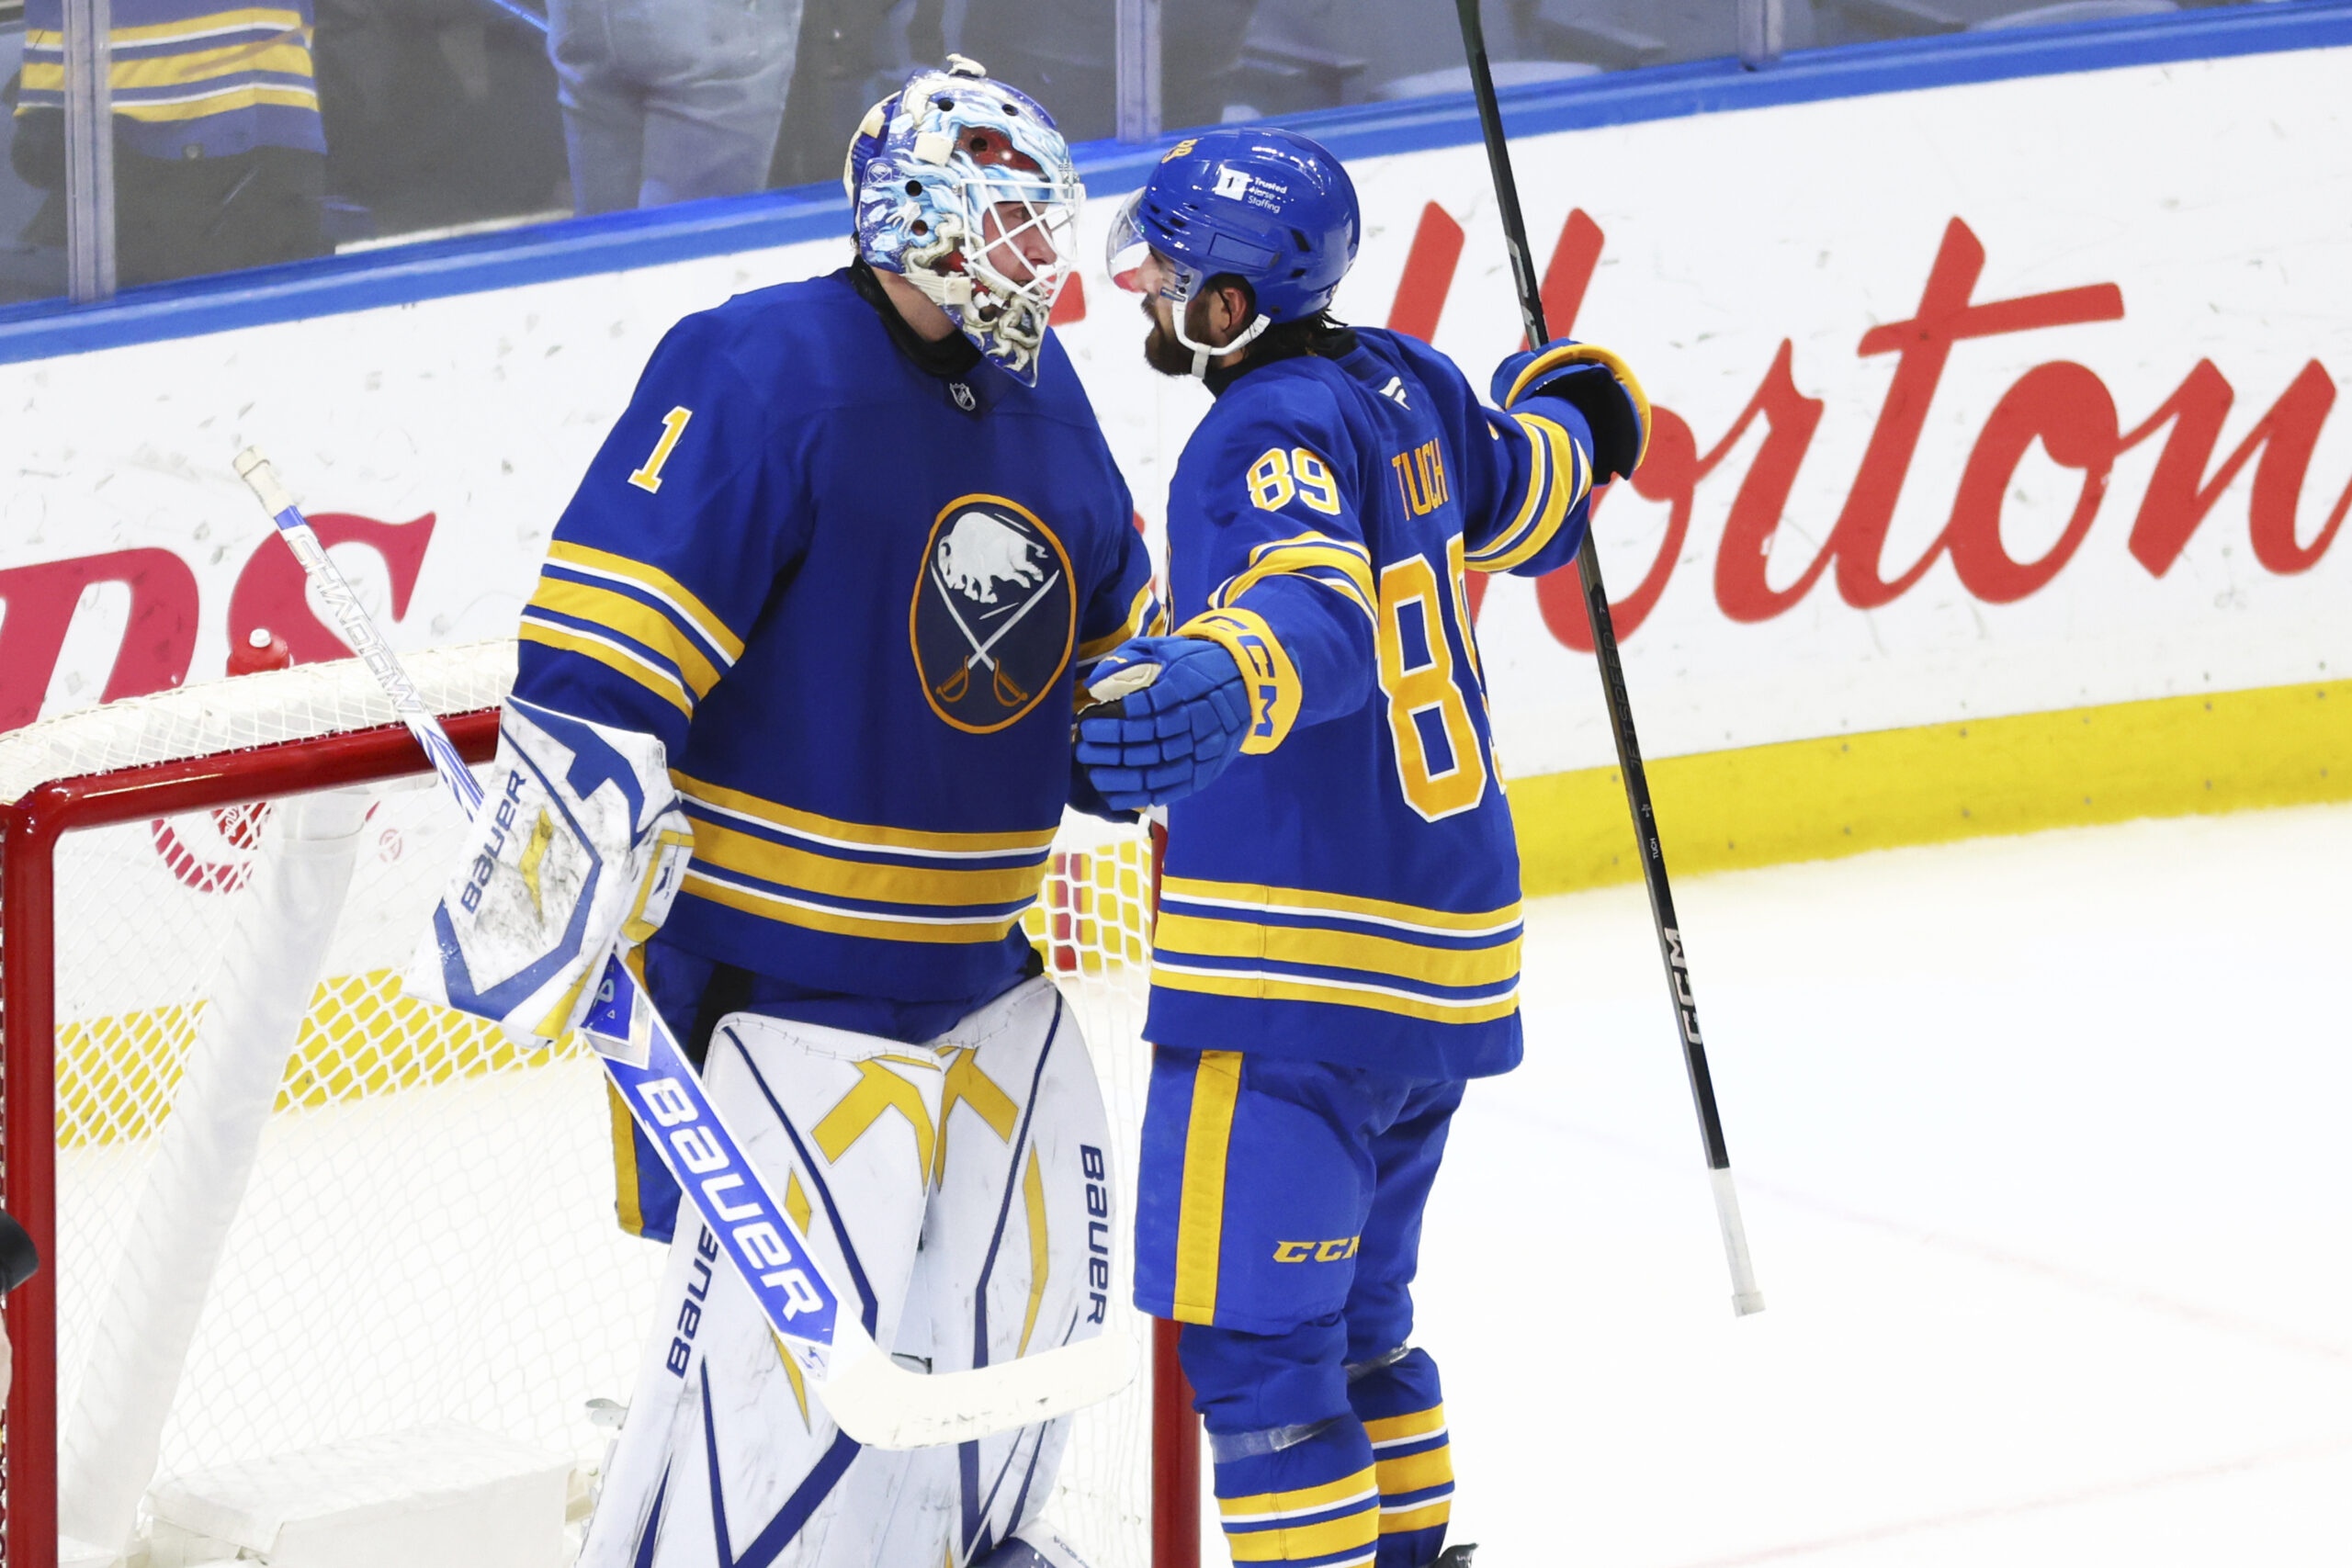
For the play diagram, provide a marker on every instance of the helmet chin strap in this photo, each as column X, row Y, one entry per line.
column 1202, row 353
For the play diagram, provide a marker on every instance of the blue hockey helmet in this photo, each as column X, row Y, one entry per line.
column 963, row 186
column 1264, row 203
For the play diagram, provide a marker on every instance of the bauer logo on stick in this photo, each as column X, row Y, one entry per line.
column 994, row 613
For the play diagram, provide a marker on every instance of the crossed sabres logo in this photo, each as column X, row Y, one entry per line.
column 994, row 613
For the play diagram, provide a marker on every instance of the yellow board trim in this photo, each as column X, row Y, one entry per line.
column 1822, row 799
column 1199, row 1214
column 714, row 630
column 1378, row 956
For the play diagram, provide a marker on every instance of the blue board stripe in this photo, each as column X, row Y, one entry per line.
column 621, row 240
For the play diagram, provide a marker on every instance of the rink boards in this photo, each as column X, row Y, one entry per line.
column 1978, row 399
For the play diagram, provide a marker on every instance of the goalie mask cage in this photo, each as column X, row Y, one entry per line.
column 206, row 896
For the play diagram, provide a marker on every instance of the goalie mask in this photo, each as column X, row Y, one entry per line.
column 962, row 185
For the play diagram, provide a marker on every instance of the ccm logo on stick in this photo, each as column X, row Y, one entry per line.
column 1682, row 972
column 704, row 1158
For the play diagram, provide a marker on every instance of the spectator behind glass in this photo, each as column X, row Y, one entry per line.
column 670, row 100
column 220, row 161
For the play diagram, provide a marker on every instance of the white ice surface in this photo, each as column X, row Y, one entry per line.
column 2041, row 1143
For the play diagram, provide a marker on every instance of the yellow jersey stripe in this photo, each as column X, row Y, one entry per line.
column 1199, row 1214
column 1539, row 471
column 251, row 19
column 1415, row 1472
column 634, row 619
column 812, row 915
column 1260, row 986
column 612, row 656
column 1420, row 1516
column 1300, row 557
column 200, row 65
column 1292, row 1544
column 1391, row 1429
column 1266, row 1508
column 934, row 887
column 194, row 104
column 914, row 841
column 1571, row 479
column 1373, row 912
column 659, row 583
column 1143, row 612
column 1337, row 950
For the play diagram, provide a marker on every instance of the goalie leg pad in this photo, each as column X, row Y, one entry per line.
column 579, row 843
column 894, row 1162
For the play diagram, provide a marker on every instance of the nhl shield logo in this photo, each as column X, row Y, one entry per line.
column 995, row 613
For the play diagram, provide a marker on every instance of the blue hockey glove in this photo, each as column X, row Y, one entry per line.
column 1594, row 382
column 1173, row 737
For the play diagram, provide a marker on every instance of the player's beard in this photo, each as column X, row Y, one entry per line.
column 1160, row 349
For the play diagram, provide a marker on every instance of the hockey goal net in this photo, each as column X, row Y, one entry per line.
column 284, row 1210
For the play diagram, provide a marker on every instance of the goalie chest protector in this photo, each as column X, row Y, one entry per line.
column 850, row 596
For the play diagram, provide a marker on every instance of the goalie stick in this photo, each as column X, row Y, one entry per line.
column 873, row 1399
column 1744, row 1297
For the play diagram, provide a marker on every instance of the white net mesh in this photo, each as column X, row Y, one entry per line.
column 428, row 1233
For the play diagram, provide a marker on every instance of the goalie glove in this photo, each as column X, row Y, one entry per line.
column 580, row 844
column 1598, row 385
column 1171, row 737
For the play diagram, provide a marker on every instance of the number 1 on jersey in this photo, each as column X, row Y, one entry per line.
column 673, row 424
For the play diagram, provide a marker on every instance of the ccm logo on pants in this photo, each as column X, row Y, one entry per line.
column 1316, row 1251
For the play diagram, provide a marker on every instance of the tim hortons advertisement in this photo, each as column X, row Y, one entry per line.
column 1974, row 400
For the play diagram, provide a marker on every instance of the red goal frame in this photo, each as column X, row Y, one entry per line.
column 29, row 830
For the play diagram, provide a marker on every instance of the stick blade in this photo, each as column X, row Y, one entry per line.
column 884, row 1405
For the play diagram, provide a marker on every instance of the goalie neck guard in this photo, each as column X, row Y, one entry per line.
column 1254, row 202
column 962, row 185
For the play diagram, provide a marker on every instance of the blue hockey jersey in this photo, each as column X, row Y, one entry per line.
column 850, row 596
column 1348, row 890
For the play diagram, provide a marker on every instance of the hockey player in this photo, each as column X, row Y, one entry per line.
column 1337, row 951
column 815, row 616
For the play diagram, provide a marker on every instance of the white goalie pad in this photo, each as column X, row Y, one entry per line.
column 579, row 844
column 960, row 1191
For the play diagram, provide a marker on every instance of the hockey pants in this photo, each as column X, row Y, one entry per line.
column 1279, row 1218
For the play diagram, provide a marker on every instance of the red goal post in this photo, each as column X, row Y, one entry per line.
column 140, row 844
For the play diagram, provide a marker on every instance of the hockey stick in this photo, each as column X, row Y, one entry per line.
column 874, row 1399
column 1746, row 1298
